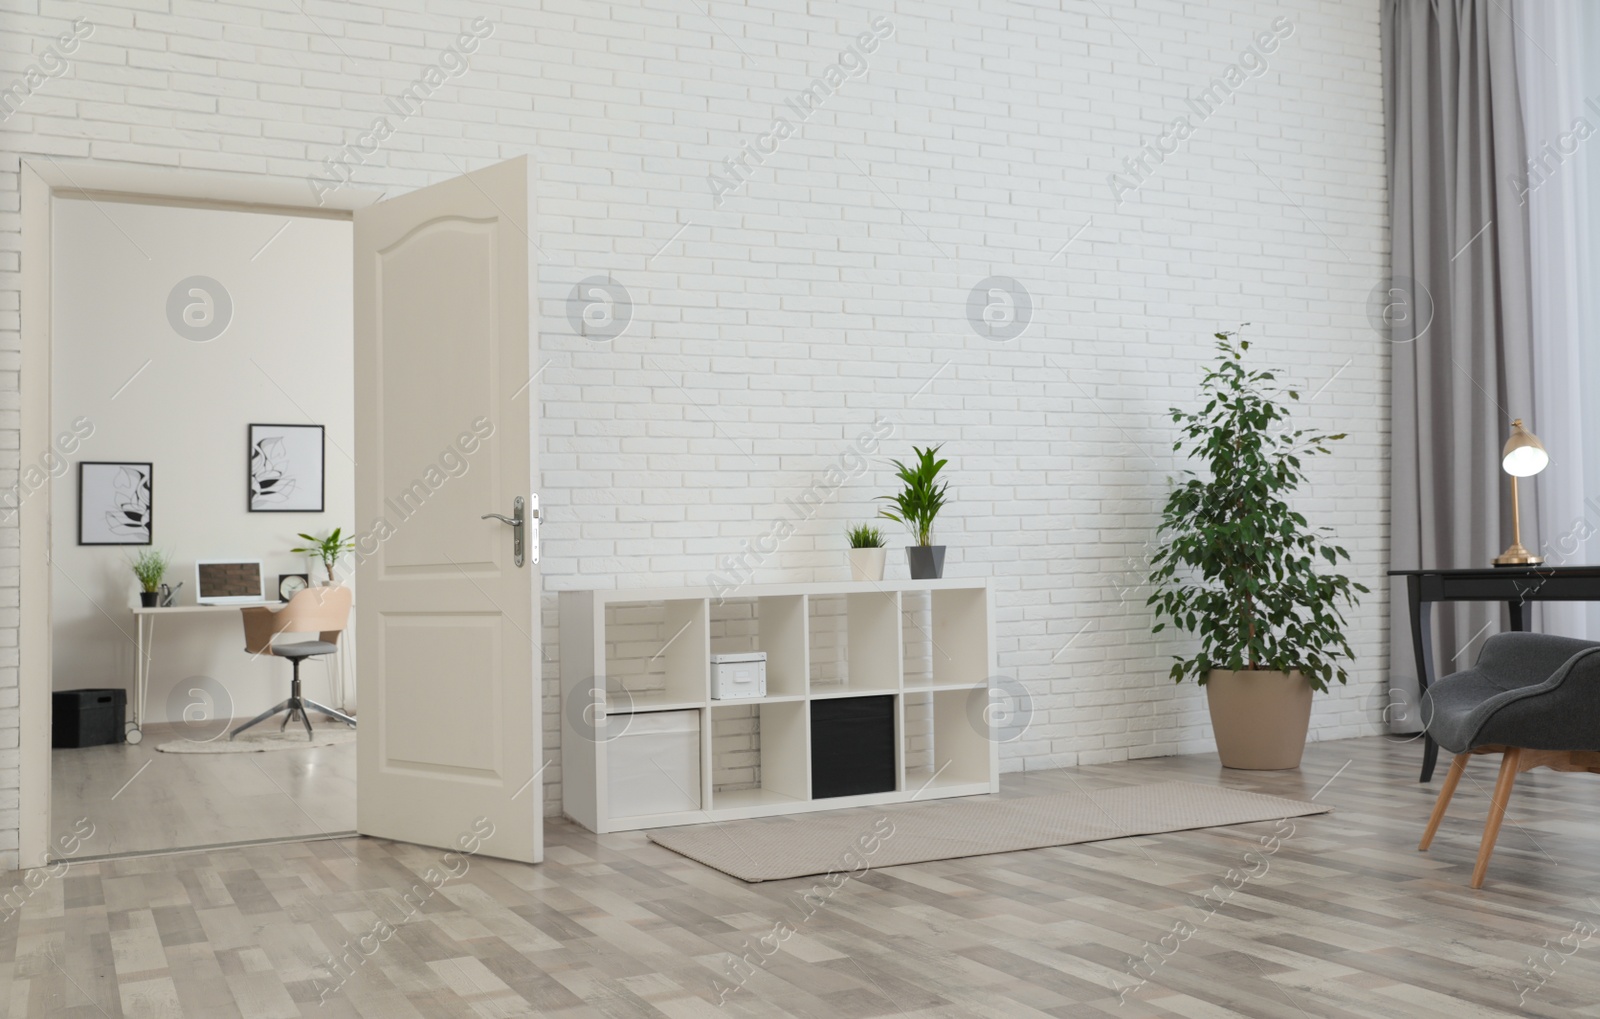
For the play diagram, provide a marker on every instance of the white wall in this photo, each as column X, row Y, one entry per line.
column 768, row 332
column 150, row 394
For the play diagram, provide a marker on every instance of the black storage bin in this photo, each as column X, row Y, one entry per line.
column 852, row 746
column 87, row 718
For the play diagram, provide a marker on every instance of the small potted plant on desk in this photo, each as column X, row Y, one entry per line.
column 866, row 552
column 150, row 566
column 327, row 549
column 915, row 506
column 1238, row 568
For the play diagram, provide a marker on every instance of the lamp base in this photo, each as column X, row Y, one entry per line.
column 1517, row 555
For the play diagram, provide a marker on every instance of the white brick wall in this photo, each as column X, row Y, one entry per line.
column 831, row 287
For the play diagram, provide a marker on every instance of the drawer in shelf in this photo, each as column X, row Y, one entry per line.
column 853, row 746
column 654, row 763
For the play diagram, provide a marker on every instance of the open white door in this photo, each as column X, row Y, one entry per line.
column 446, row 622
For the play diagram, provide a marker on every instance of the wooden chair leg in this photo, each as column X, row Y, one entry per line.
column 1497, row 813
column 1457, row 766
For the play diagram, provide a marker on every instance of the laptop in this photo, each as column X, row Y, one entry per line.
column 228, row 581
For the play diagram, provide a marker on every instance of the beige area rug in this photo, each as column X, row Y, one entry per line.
column 252, row 742
column 799, row 845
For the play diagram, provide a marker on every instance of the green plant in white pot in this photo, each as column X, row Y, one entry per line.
column 327, row 549
column 1240, row 569
column 866, row 553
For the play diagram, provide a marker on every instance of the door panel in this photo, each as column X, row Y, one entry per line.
column 450, row 732
column 444, row 734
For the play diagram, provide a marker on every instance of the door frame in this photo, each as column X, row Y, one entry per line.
column 43, row 180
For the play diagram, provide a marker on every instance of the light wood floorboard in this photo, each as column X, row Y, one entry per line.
column 1345, row 918
column 139, row 799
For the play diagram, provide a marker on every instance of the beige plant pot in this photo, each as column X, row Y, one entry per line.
column 1260, row 718
column 867, row 563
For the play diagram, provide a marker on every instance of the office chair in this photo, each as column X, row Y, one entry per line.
column 321, row 610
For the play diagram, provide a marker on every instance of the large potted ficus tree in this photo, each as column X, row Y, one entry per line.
column 1240, row 569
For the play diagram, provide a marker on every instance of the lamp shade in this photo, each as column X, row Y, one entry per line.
column 1524, row 455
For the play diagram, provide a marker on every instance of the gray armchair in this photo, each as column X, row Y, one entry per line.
column 1531, row 697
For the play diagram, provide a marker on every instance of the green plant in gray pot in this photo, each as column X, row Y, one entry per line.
column 866, row 552
column 150, row 566
column 915, row 505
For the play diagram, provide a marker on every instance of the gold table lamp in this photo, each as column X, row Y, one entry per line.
column 1523, row 457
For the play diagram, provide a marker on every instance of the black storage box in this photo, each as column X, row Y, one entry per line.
column 87, row 718
column 852, row 746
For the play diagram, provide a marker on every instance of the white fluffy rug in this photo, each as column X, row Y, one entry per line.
column 265, row 737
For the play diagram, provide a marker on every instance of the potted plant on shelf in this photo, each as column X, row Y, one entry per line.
column 866, row 552
column 328, row 550
column 916, row 505
column 1238, row 567
column 150, row 566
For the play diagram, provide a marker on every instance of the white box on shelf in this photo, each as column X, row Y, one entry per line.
column 654, row 763
column 736, row 676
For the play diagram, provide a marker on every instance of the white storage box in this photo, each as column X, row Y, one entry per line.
column 739, row 675
column 654, row 766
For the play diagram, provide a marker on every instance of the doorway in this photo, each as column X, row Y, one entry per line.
column 444, row 334
column 203, row 412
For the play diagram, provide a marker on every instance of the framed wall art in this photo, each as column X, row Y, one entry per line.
column 115, row 503
column 286, row 468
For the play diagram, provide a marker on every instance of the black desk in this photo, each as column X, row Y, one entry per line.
column 1514, row 585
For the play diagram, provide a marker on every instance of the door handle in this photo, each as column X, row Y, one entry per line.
column 516, row 522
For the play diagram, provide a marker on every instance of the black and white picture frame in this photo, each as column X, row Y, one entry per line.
column 286, row 468
column 116, row 503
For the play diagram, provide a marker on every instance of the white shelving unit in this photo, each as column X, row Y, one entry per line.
column 928, row 643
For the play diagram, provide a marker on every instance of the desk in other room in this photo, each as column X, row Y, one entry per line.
column 145, row 618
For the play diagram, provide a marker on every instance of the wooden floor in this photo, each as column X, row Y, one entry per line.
column 1339, row 917
column 137, row 799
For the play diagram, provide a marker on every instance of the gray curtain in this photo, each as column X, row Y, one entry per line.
column 1459, row 314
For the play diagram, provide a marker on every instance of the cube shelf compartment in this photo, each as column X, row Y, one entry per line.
column 947, row 741
column 933, row 661
column 769, row 763
column 776, row 625
column 656, row 654
column 855, row 643
column 926, row 644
